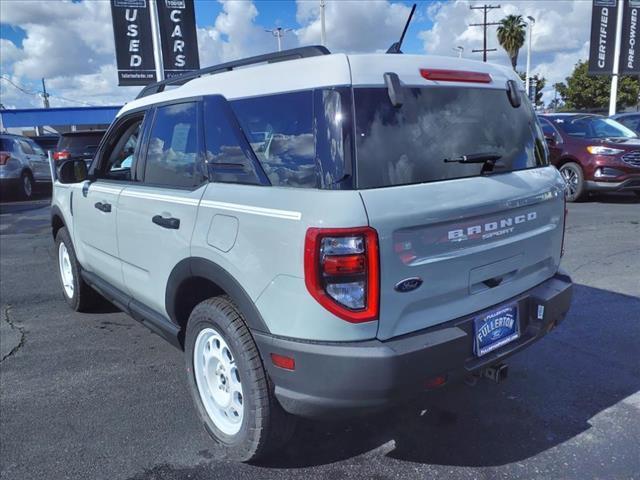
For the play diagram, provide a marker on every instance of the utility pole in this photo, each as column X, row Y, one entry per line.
column 323, row 32
column 460, row 50
column 278, row 32
column 485, row 8
column 45, row 95
column 616, row 61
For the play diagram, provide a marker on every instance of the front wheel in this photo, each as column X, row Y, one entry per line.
column 26, row 185
column 574, row 180
column 229, row 385
column 77, row 293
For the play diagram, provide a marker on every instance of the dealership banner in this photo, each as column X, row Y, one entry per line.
column 603, row 36
column 178, row 36
column 630, row 46
column 134, row 43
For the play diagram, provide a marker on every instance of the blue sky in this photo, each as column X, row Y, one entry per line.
column 70, row 43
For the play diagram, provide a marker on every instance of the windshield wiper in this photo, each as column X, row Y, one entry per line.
column 475, row 158
column 488, row 160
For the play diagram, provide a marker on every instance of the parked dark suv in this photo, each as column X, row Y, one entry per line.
column 593, row 153
column 79, row 145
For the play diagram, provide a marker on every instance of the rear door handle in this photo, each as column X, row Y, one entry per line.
column 172, row 223
column 103, row 207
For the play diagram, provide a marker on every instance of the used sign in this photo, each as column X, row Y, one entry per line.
column 178, row 36
column 134, row 44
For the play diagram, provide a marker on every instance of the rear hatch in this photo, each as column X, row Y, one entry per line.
column 474, row 239
column 80, row 145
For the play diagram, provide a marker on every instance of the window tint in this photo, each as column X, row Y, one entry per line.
column 26, row 147
column 594, row 127
column 79, row 143
column 631, row 121
column 547, row 128
column 172, row 154
column 225, row 150
column 397, row 146
column 280, row 131
column 36, row 148
column 123, row 155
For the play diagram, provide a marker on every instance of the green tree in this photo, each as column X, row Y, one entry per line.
column 540, row 83
column 511, row 34
column 582, row 91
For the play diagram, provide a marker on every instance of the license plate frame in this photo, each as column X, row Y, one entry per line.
column 495, row 328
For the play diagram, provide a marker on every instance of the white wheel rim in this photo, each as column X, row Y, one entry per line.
column 66, row 272
column 218, row 381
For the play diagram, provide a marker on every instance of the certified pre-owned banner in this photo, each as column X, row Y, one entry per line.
column 134, row 44
column 178, row 36
column 603, row 36
column 630, row 48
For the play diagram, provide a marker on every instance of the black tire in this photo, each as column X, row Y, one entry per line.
column 574, row 179
column 265, row 425
column 84, row 298
column 26, row 187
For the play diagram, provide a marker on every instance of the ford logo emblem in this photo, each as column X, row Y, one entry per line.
column 408, row 284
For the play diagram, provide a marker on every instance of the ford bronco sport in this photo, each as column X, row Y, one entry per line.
column 322, row 234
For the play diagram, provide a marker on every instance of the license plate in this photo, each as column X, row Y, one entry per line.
column 495, row 329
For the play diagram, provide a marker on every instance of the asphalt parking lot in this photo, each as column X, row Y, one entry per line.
column 97, row 396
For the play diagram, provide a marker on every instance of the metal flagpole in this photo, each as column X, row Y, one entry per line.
column 323, row 32
column 155, row 35
column 616, row 60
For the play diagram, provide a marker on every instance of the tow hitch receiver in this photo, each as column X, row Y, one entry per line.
column 497, row 373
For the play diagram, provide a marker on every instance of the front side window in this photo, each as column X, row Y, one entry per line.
column 409, row 144
column 121, row 159
column 26, row 147
column 279, row 129
column 172, row 154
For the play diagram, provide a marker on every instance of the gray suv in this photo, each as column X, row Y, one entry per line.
column 23, row 165
column 322, row 234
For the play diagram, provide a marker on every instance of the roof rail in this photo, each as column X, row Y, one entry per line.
column 292, row 54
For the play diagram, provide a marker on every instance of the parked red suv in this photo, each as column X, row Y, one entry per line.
column 593, row 153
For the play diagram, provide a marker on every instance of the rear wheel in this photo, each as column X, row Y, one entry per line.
column 229, row 385
column 77, row 293
column 26, row 185
column 574, row 179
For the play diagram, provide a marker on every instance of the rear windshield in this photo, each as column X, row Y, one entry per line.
column 80, row 143
column 408, row 144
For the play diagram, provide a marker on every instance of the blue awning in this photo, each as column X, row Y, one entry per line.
column 38, row 117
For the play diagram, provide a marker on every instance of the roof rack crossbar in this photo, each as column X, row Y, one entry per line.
column 292, row 54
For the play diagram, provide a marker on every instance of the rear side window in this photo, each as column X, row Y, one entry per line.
column 279, row 129
column 26, row 147
column 172, row 154
column 227, row 154
column 408, row 144
column 6, row 145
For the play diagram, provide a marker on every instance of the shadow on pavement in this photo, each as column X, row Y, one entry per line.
column 629, row 198
column 586, row 365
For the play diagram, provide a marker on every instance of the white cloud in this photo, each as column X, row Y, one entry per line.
column 559, row 40
column 352, row 26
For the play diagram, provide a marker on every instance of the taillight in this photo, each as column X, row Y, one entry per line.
column 455, row 75
column 4, row 157
column 342, row 272
column 63, row 155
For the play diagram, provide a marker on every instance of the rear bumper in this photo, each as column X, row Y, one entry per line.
column 351, row 378
column 630, row 184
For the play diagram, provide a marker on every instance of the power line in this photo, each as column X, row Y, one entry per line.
column 23, row 89
column 485, row 8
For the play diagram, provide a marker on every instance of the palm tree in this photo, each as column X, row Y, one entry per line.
column 511, row 33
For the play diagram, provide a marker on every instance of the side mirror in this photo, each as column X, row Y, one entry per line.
column 551, row 140
column 73, row 171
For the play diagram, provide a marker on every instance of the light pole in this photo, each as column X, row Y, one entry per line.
column 530, row 28
column 459, row 49
column 323, row 31
column 278, row 32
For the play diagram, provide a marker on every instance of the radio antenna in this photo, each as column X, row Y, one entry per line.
column 395, row 48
